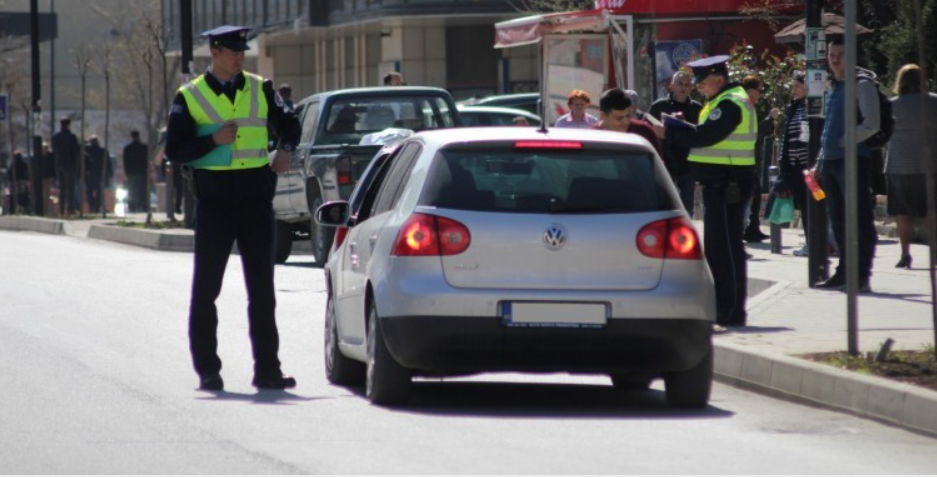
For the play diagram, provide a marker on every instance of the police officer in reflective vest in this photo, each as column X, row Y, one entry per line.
column 722, row 161
column 218, row 128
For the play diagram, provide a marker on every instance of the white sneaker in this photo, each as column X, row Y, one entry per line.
column 802, row 252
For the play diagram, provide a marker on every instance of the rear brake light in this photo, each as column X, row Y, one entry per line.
column 548, row 145
column 343, row 170
column 671, row 238
column 429, row 235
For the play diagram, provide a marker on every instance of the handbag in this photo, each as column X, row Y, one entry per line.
column 783, row 210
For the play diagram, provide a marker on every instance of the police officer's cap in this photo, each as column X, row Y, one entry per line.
column 228, row 36
column 714, row 65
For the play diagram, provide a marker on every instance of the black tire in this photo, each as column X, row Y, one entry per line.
column 320, row 235
column 283, row 241
column 690, row 389
column 629, row 382
column 387, row 382
column 339, row 369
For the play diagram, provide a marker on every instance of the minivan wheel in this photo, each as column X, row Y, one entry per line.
column 387, row 381
column 339, row 369
column 283, row 241
column 690, row 389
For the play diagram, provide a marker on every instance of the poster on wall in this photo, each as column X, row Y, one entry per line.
column 669, row 56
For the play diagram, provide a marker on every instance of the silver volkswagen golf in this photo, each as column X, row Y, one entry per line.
column 466, row 251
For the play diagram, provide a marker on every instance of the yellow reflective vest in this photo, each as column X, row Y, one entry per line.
column 739, row 148
column 210, row 111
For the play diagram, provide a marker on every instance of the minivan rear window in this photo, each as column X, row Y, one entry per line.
column 506, row 179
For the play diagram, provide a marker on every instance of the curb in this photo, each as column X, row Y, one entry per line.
column 904, row 405
column 34, row 224
column 172, row 241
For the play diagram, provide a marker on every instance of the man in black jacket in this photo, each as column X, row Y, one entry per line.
column 678, row 103
column 136, row 156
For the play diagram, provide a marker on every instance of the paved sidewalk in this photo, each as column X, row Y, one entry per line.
column 786, row 319
column 790, row 319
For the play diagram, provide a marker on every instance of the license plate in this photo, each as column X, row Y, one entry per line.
column 554, row 315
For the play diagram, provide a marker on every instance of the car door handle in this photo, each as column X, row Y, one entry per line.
column 371, row 241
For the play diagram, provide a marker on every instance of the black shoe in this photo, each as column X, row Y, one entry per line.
column 836, row 282
column 211, row 383
column 755, row 236
column 905, row 262
column 274, row 382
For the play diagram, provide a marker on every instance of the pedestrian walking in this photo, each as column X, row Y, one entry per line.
column 218, row 127
column 68, row 154
column 908, row 154
column 616, row 112
column 47, row 166
column 679, row 104
column 98, row 174
column 393, row 78
column 578, row 101
column 831, row 165
column 755, row 88
column 286, row 94
column 722, row 160
column 19, row 180
column 794, row 155
column 136, row 160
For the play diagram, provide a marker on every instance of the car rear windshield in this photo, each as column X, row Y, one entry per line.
column 350, row 119
column 507, row 179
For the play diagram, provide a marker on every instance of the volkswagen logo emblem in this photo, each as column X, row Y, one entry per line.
column 554, row 237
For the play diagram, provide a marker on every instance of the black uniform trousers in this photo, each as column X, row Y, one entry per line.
column 234, row 205
column 723, row 224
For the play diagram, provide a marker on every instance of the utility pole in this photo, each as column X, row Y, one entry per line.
column 185, row 32
column 852, row 185
column 817, row 225
column 36, row 168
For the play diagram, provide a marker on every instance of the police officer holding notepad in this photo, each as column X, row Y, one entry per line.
column 218, row 128
column 722, row 161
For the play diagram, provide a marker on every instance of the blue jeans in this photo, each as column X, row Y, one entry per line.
column 723, row 223
column 833, row 181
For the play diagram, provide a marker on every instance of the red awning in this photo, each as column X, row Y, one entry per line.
column 528, row 30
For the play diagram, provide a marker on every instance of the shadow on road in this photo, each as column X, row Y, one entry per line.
column 260, row 397
column 583, row 401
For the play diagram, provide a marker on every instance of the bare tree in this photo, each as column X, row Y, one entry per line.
column 141, row 66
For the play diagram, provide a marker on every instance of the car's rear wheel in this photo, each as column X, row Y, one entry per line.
column 690, row 389
column 630, row 382
column 339, row 369
column 283, row 241
column 320, row 235
column 387, row 381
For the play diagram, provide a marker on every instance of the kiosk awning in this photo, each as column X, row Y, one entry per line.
column 529, row 30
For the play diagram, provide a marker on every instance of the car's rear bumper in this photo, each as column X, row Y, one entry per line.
column 453, row 345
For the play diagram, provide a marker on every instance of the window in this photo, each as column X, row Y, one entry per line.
column 350, row 119
column 397, row 177
column 506, row 179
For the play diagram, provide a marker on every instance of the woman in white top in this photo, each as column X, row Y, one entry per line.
column 577, row 100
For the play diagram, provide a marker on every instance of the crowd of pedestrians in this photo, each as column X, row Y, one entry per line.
column 722, row 150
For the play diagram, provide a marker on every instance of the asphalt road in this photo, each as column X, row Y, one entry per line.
column 96, row 378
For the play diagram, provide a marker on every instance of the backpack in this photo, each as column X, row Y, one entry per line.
column 886, row 120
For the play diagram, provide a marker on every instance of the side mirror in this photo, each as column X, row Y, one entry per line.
column 333, row 214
